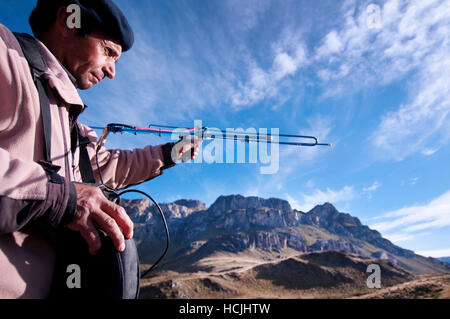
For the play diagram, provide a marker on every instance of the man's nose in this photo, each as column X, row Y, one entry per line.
column 110, row 70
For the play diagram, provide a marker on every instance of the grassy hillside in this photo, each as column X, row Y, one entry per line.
column 247, row 275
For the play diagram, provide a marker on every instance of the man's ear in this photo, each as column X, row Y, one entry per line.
column 64, row 23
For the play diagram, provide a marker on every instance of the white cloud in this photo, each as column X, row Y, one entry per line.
column 435, row 214
column 403, row 237
column 410, row 31
column 436, row 253
column 426, row 118
column 332, row 44
column 284, row 65
column 399, row 237
column 422, row 43
column 412, row 42
column 318, row 197
column 429, row 151
column 372, row 187
column 263, row 84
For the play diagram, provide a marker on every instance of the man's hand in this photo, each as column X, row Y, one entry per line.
column 95, row 210
column 186, row 149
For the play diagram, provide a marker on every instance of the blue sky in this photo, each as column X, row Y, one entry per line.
column 369, row 77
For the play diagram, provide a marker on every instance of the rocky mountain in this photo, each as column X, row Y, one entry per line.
column 269, row 227
column 445, row 259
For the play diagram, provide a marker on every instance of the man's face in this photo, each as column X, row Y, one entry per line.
column 91, row 57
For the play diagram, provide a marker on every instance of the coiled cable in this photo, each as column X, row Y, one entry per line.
column 161, row 213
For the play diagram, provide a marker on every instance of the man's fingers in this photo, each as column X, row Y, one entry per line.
column 94, row 210
column 90, row 234
column 197, row 141
column 110, row 227
column 185, row 148
column 120, row 216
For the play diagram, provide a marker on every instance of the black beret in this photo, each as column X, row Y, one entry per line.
column 102, row 14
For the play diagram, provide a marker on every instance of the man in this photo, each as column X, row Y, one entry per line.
column 35, row 197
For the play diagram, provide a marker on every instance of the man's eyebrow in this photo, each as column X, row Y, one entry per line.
column 115, row 51
column 111, row 47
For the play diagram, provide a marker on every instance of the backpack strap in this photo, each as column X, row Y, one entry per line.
column 34, row 55
column 87, row 174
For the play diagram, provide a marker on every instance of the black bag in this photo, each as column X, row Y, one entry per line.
column 109, row 274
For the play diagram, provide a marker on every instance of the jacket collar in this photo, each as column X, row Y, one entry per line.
column 60, row 79
column 71, row 77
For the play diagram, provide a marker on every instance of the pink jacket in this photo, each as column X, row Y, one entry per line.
column 28, row 198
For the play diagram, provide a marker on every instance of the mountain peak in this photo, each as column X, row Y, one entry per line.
column 189, row 203
column 326, row 208
column 233, row 202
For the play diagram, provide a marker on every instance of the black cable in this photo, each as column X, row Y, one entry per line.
column 166, row 228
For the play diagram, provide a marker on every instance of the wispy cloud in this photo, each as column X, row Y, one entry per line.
column 308, row 201
column 399, row 237
column 436, row 253
column 412, row 41
column 264, row 84
column 404, row 237
column 421, row 41
column 409, row 31
column 372, row 187
column 367, row 191
column 435, row 214
column 429, row 151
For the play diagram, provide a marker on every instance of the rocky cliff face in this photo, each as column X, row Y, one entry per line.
column 326, row 216
column 141, row 211
column 236, row 202
column 235, row 224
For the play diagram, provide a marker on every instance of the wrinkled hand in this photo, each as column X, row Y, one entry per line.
column 95, row 210
column 186, row 149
